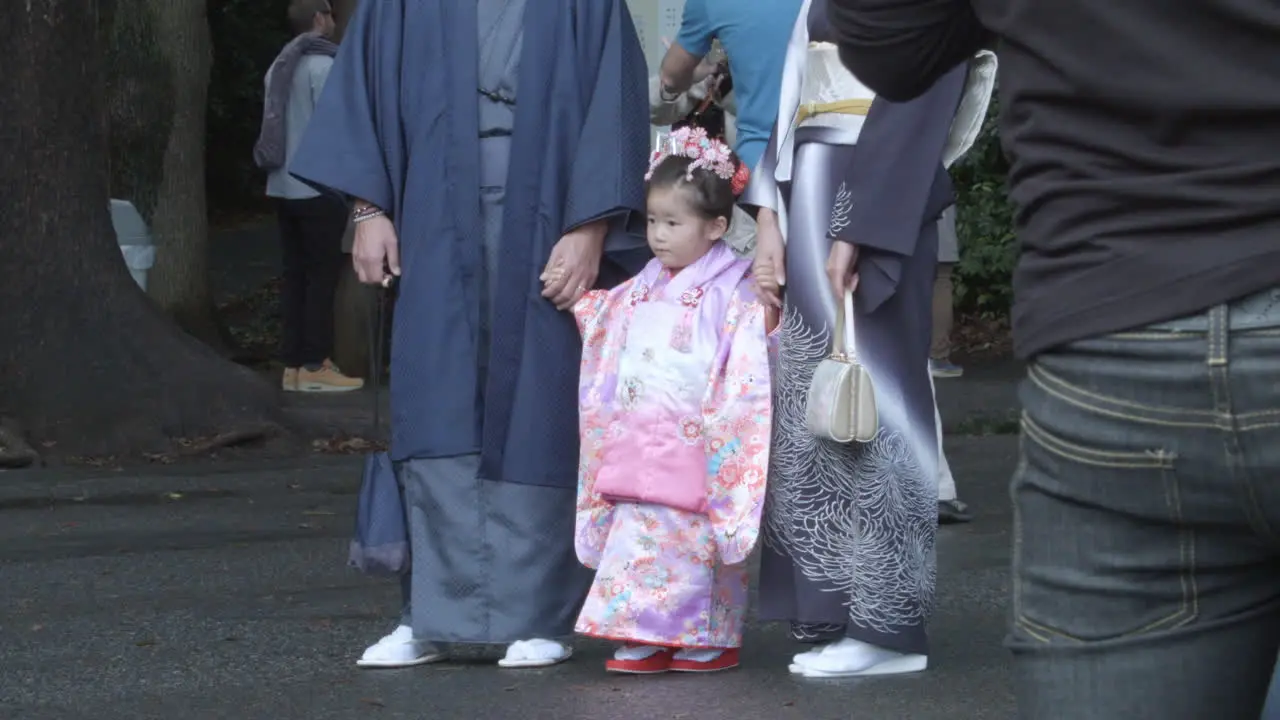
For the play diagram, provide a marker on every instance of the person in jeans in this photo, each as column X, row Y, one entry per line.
column 1143, row 140
column 312, row 223
column 940, row 365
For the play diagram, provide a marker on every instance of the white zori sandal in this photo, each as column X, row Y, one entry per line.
column 400, row 650
column 535, row 653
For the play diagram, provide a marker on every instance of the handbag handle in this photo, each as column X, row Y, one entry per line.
column 842, row 341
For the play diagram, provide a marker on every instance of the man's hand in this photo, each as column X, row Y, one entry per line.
column 375, row 251
column 574, row 264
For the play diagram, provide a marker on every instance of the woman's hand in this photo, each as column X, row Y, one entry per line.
column 376, row 250
column 708, row 67
column 574, row 264
column 842, row 268
column 769, row 266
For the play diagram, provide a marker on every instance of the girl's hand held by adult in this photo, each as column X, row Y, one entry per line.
column 574, row 264
column 769, row 265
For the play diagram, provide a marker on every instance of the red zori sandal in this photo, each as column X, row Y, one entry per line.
column 727, row 660
column 658, row 662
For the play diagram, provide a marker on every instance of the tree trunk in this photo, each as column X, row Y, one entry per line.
column 162, row 50
column 352, row 318
column 342, row 11
column 88, row 364
column 354, row 303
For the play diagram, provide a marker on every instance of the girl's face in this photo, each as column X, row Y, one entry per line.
column 678, row 235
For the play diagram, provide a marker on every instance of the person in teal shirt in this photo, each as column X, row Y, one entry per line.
column 754, row 34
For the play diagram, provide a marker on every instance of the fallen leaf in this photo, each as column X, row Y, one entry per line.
column 174, row 496
column 375, row 703
column 145, row 643
column 306, row 526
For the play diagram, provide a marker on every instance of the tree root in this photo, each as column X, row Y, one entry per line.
column 15, row 452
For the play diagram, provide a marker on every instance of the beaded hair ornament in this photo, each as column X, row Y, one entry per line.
column 706, row 152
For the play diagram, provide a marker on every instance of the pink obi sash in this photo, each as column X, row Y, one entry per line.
column 655, row 451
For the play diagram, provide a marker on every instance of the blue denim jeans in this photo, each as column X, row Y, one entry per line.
column 1271, row 711
column 1146, row 568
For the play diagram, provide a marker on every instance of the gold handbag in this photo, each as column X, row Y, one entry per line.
column 841, row 405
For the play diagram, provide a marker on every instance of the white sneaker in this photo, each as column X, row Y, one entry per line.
column 398, row 650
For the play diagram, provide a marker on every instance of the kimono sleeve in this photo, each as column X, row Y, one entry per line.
column 737, row 420
column 347, row 143
column 762, row 188
column 588, row 311
column 594, row 515
column 896, row 184
column 607, row 178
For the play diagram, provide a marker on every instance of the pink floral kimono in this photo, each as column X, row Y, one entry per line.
column 675, row 408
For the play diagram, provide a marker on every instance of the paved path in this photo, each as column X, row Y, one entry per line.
column 197, row 595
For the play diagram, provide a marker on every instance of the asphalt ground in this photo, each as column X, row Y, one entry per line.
column 200, row 594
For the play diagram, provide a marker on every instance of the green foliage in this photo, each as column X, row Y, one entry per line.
column 247, row 34
column 984, row 223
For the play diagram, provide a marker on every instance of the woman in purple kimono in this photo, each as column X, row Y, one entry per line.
column 483, row 142
column 855, row 184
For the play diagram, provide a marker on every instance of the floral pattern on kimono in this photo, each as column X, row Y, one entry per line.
column 673, row 572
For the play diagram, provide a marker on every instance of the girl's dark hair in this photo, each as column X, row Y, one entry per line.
column 713, row 196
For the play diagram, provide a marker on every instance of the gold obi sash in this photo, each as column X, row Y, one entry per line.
column 830, row 95
column 839, row 107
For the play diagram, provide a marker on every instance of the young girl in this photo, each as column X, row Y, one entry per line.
column 674, row 400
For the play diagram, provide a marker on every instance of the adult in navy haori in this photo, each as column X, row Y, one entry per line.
column 488, row 145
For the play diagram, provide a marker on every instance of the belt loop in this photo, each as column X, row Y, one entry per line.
column 1219, row 335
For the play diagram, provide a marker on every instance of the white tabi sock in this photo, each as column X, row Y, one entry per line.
column 699, row 655
column 636, row 652
column 399, row 649
column 848, row 657
column 535, row 651
column 813, row 652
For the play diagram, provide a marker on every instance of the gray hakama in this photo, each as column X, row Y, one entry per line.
column 441, row 112
column 849, row 537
